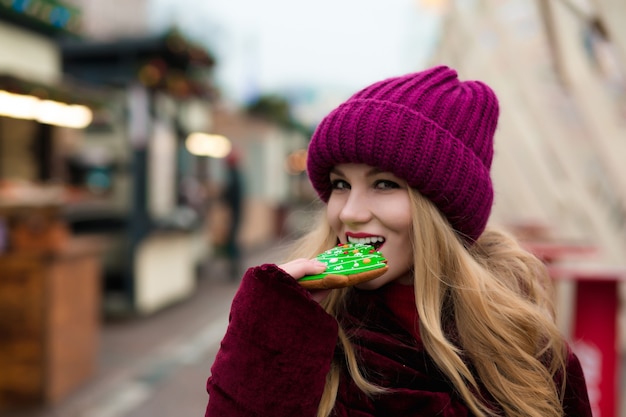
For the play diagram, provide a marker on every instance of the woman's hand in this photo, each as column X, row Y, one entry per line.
column 301, row 267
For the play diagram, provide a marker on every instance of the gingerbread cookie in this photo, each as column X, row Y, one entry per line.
column 347, row 264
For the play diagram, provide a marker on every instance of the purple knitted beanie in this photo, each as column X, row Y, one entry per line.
column 428, row 128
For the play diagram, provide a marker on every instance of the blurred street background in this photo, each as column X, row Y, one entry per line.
column 152, row 150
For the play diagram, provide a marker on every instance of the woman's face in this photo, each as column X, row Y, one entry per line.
column 370, row 206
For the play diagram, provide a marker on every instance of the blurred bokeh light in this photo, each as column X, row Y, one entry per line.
column 204, row 144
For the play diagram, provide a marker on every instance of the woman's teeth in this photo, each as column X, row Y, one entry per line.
column 371, row 240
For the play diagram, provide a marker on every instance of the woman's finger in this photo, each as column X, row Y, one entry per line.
column 301, row 267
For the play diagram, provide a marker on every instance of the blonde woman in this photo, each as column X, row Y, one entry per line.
column 461, row 323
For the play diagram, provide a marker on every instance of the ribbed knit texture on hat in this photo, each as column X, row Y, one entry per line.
column 428, row 128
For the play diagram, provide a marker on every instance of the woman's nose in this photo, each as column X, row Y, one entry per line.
column 355, row 209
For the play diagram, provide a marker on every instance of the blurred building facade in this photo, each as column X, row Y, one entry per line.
column 49, row 281
column 160, row 196
column 31, row 73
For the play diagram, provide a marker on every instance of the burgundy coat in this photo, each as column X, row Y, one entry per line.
column 279, row 345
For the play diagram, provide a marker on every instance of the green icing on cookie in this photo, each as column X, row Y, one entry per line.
column 348, row 259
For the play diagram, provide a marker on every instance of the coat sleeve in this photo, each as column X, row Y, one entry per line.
column 276, row 353
column 576, row 399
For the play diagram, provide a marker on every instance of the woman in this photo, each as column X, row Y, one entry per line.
column 461, row 324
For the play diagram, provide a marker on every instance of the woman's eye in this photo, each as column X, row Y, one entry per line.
column 339, row 185
column 385, row 185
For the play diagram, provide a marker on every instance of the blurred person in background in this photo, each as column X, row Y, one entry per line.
column 461, row 323
column 233, row 197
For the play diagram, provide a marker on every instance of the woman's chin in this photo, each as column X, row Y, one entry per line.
column 371, row 285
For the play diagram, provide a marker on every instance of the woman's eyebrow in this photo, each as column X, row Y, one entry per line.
column 337, row 172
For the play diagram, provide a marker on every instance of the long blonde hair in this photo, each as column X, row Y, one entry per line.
column 496, row 298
